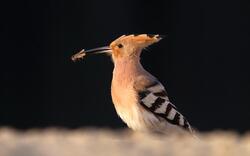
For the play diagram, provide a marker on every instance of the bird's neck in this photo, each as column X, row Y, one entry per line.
column 126, row 69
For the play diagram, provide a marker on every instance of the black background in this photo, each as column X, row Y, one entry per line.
column 203, row 63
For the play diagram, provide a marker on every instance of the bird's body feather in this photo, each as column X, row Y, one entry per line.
column 141, row 100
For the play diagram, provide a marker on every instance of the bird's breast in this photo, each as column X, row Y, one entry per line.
column 125, row 101
column 123, row 96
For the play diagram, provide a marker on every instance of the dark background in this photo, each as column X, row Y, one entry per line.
column 203, row 63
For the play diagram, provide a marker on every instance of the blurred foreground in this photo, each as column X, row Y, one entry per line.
column 104, row 142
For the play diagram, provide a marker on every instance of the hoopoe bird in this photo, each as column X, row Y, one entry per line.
column 139, row 98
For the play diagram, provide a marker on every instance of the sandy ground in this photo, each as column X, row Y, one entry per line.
column 103, row 142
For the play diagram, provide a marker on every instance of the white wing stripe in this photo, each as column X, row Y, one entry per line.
column 181, row 121
column 149, row 100
column 161, row 109
column 171, row 114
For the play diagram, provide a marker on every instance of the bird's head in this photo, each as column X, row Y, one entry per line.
column 132, row 45
column 123, row 47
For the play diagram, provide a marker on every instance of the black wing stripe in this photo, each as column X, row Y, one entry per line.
column 176, row 119
column 143, row 94
column 162, row 93
column 155, row 83
column 168, row 109
column 186, row 124
column 157, row 104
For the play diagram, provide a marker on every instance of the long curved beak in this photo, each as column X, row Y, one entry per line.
column 83, row 53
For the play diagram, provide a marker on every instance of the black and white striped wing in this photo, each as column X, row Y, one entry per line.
column 154, row 98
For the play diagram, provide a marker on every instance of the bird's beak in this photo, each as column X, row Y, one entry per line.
column 83, row 53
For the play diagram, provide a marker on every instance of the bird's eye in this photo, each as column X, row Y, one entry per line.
column 120, row 45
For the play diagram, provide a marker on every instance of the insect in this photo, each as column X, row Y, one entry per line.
column 78, row 56
column 139, row 98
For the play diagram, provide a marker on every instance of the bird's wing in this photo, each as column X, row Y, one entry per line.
column 153, row 97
